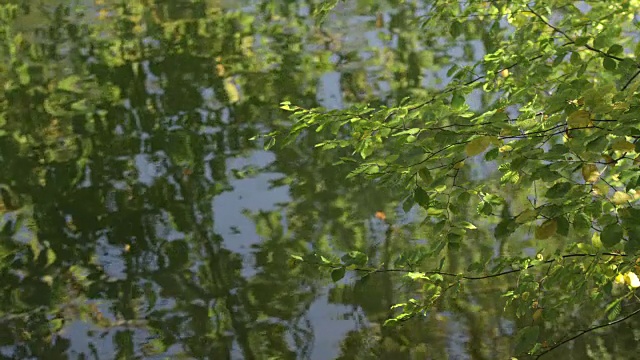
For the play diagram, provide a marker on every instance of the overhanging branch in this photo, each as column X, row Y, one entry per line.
column 586, row 331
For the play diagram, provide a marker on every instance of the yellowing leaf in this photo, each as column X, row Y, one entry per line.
column 596, row 241
column 103, row 14
column 623, row 145
column 620, row 197
column 590, row 173
column 600, row 188
column 508, row 132
column 51, row 257
column 608, row 159
column 537, row 314
column 547, row 229
column 526, row 216
column 621, row 106
column 578, row 119
column 477, row 145
column 505, row 148
column 458, row 165
column 632, row 280
column 232, row 90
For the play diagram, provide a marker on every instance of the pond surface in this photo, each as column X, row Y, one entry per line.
column 142, row 218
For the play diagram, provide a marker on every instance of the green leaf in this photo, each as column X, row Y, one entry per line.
column 613, row 309
column 286, row 105
column 558, row 190
column 270, row 144
column 297, row 257
column 609, row 64
column 355, row 258
column 35, row 247
column 601, row 41
column 492, row 154
column 563, row 226
column 407, row 204
column 421, row 197
column 467, row 225
column 464, row 197
column 611, row 235
column 575, row 58
column 581, row 223
column 526, row 339
column 321, row 11
column 51, row 257
column 615, row 49
column 485, row 208
column 425, row 175
column 457, row 101
column 413, row 275
column 582, row 40
column 23, row 74
column 372, row 169
column 452, row 70
column 56, row 324
column 633, row 245
column 456, row 29
column 70, row 84
column 411, row 131
column 391, row 322
column 505, row 228
column 338, row 274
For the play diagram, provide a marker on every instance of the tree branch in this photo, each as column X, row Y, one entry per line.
column 630, row 80
column 465, row 277
column 587, row 331
column 591, row 48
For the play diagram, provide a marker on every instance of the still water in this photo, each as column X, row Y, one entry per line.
column 140, row 221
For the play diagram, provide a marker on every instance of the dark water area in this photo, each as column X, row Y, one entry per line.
column 143, row 219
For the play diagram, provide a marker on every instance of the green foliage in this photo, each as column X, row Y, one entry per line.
column 557, row 122
column 120, row 122
column 109, row 169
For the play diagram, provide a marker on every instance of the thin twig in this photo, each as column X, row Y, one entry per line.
column 550, row 25
column 467, row 277
column 591, row 48
column 630, row 80
column 587, row 331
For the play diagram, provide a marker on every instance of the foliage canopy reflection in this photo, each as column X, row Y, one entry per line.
column 530, row 152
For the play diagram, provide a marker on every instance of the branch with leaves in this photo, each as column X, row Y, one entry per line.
column 535, row 142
